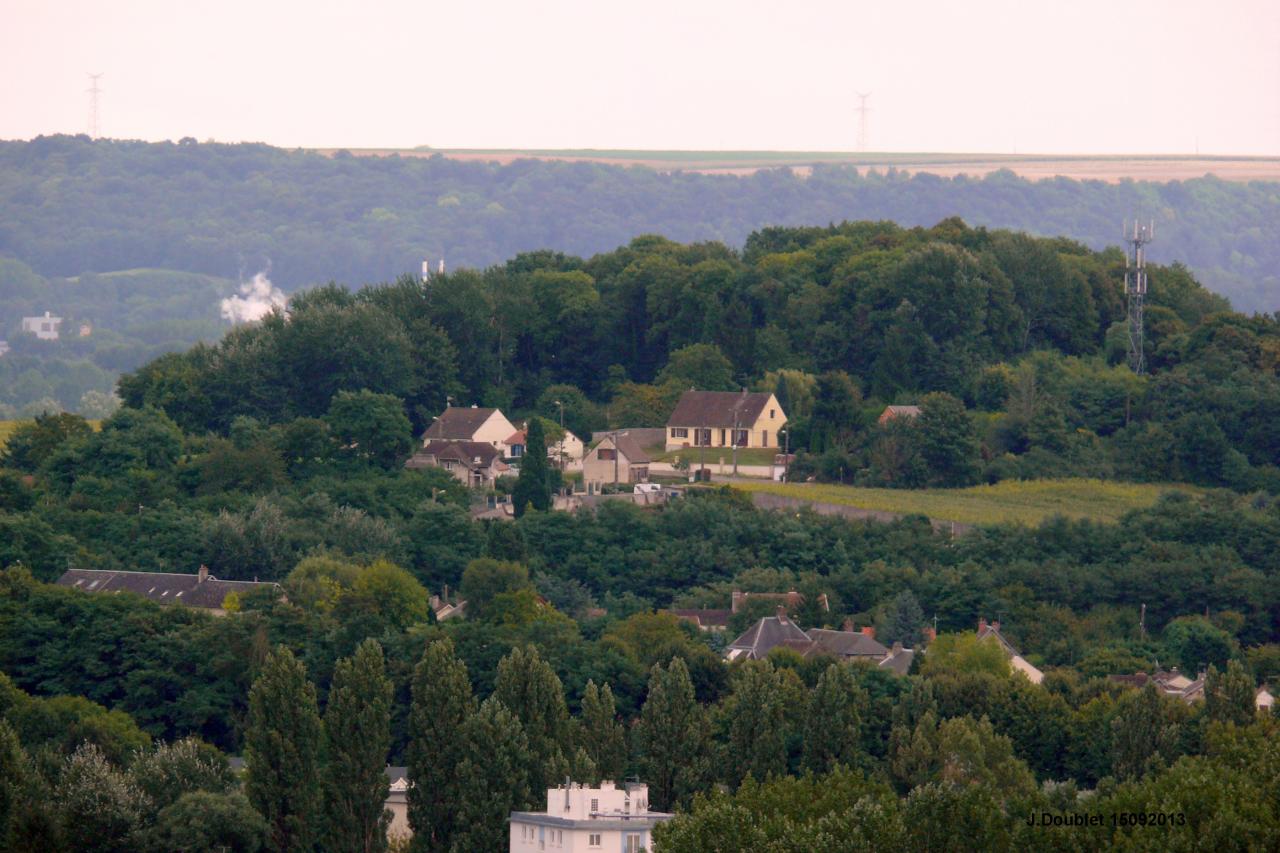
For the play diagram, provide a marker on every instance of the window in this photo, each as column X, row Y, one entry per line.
column 702, row 437
column 679, row 432
column 626, row 805
column 517, row 450
column 772, row 414
column 607, row 454
column 764, row 437
column 593, row 839
column 740, row 437
column 595, row 806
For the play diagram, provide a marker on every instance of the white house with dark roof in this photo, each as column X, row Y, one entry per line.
column 201, row 590
column 618, row 458
column 579, row 819
column 725, row 419
column 475, row 463
column 462, row 423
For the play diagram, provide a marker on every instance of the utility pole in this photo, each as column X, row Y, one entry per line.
column 733, row 439
column 1135, row 290
column 863, row 110
column 561, row 407
column 94, row 91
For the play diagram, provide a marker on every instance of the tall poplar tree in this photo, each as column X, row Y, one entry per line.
column 441, row 704
column 531, row 690
column 833, row 725
column 357, row 724
column 600, row 733
column 282, row 752
column 1229, row 695
column 492, row 777
column 533, row 488
column 671, row 737
column 757, row 723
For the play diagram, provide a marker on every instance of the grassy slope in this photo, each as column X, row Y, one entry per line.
column 1024, row 502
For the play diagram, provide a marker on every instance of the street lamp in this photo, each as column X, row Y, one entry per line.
column 786, row 455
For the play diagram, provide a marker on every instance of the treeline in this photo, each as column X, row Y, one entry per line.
column 72, row 205
column 809, row 753
column 1026, row 334
column 111, row 323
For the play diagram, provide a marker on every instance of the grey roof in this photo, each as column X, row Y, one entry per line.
column 705, row 617
column 465, row 451
column 901, row 411
column 162, row 587
column 718, row 409
column 457, row 423
column 992, row 629
column 847, row 644
column 627, row 446
column 764, row 635
column 899, row 660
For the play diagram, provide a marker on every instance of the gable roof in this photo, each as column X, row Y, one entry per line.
column 457, row 423
column 718, row 409
column 627, row 446
column 711, row 619
column 768, row 632
column 161, row 587
column 847, row 644
column 899, row 412
column 898, row 660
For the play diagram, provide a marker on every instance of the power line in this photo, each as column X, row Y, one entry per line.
column 94, row 91
column 863, row 111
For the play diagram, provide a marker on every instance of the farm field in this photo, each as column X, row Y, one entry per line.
column 1107, row 168
column 1012, row 501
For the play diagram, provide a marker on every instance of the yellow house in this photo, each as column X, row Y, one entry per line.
column 725, row 418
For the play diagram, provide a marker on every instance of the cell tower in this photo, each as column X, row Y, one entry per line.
column 863, row 109
column 94, row 91
column 1135, row 288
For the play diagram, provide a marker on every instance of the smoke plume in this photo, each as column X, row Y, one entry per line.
column 257, row 297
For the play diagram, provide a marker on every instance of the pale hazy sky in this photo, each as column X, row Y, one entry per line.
column 1053, row 76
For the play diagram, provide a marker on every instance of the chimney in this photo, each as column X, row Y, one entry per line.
column 848, row 624
column 782, row 613
column 930, row 634
column 444, row 596
column 982, row 624
column 995, row 626
column 203, row 574
column 897, row 647
column 869, row 631
column 736, row 601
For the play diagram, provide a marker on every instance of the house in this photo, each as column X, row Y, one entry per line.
column 767, row 634
column 459, row 423
column 848, row 644
column 992, row 629
column 579, row 819
column 898, row 660
column 201, row 590
column 891, row 412
column 45, row 328
column 563, row 452
column 475, row 463
column 706, row 619
column 725, row 419
column 446, row 610
column 616, row 459
column 398, row 803
column 1263, row 700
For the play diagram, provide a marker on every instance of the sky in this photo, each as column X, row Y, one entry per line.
column 999, row 76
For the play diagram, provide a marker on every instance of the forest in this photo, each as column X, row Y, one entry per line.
column 277, row 454
column 69, row 205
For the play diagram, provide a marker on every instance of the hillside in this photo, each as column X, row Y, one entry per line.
column 70, row 205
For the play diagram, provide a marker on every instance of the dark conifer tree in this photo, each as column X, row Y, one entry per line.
column 357, row 723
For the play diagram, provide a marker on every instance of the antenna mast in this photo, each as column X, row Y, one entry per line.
column 863, row 109
column 1135, row 289
column 94, row 91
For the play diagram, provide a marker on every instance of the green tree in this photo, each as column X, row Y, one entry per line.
column 671, row 737
column 30, row 444
column 370, row 426
column 833, row 722
column 948, row 442
column 528, row 687
column 492, row 778
column 533, row 488
column 485, row 579
column 699, row 366
column 757, row 724
column 441, row 705
column 601, row 734
column 282, row 746
column 100, row 807
column 172, row 769
column 1195, row 643
column 901, row 621
column 1145, row 733
column 207, row 822
column 357, row 724
column 1229, row 695
column 965, row 653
